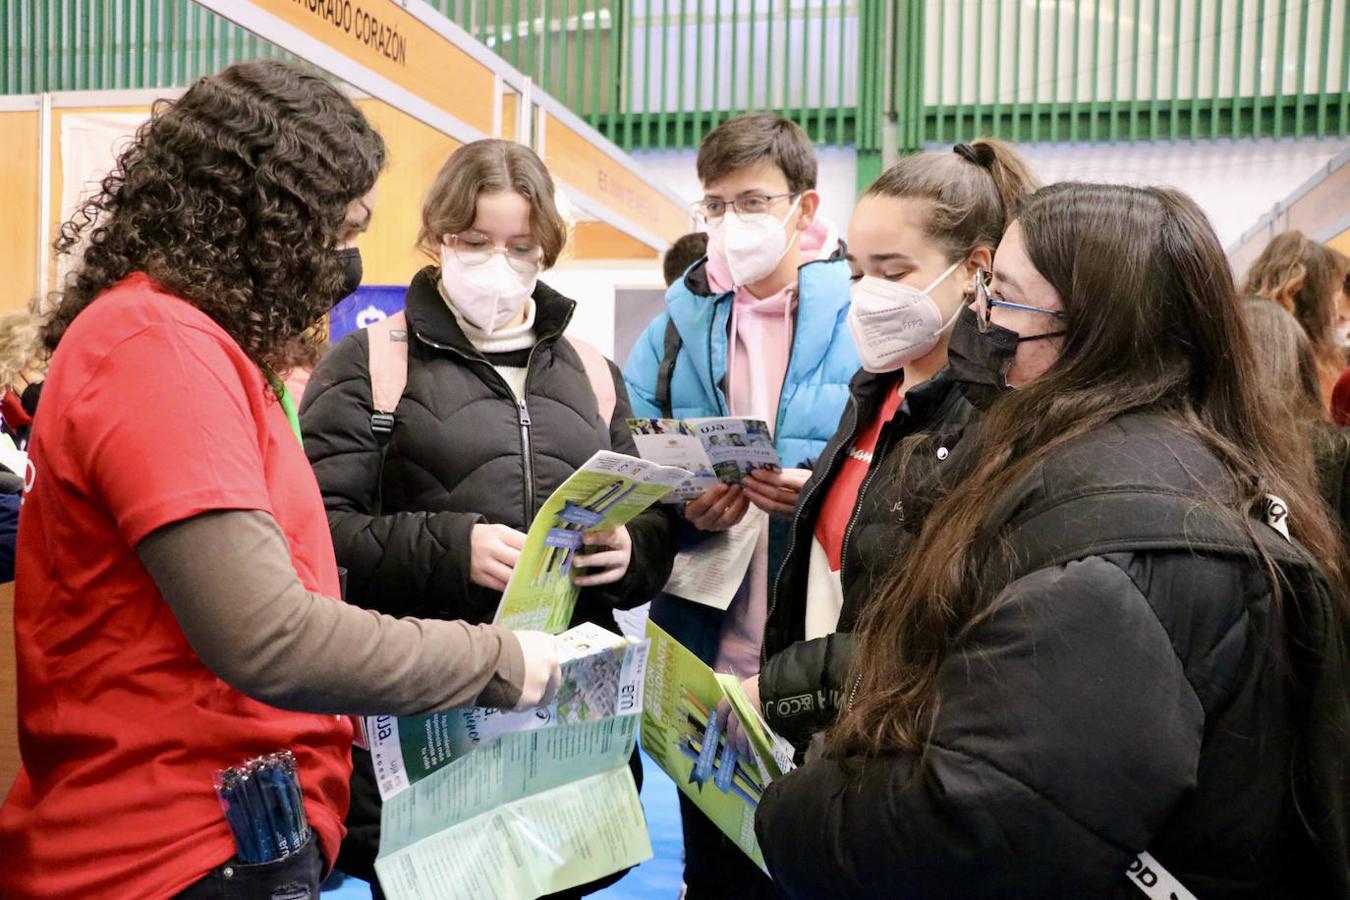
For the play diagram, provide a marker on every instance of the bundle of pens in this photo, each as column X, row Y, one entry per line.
column 264, row 807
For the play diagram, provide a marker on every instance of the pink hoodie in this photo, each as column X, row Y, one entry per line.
column 758, row 350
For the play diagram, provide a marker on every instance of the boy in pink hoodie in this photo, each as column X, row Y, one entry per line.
column 756, row 330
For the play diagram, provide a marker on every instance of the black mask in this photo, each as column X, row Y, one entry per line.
column 350, row 260
column 29, row 398
column 980, row 360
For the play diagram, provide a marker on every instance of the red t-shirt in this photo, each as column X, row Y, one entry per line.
column 151, row 414
column 842, row 495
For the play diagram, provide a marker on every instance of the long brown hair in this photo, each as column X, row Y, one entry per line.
column 1286, row 363
column 1152, row 324
column 231, row 198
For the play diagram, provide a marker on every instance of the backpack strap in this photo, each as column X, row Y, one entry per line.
column 670, row 351
column 599, row 374
column 1135, row 519
column 388, row 363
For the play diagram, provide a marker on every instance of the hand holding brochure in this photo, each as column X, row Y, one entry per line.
column 683, row 733
column 602, row 676
column 605, row 493
column 517, row 805
column 714, row 449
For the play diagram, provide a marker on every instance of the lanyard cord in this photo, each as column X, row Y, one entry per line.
column 287, row 403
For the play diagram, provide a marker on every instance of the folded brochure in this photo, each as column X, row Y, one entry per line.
column 602, row 676
column 713, row 449
column 486, row 810
column 683, row 734
column 608, row 491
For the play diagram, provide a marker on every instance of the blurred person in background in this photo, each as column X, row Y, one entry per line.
column 1287, row 367
column 1307, row 278
column 22, row 366
column 682, row 254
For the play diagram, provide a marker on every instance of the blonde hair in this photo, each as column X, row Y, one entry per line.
column 21, row 347
column 489, row 167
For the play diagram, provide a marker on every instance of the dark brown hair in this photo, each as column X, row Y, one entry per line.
column 682, row 254
column 755, row 138
column 488, row 167
column 1153, row 324
column 1304, row 277
column 971, row 194
column 231, row 198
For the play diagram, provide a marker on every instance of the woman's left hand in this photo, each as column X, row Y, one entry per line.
column 776, row 492
column 608, row 562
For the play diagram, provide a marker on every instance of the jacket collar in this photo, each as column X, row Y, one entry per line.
column 822, row 298
column 433, row 322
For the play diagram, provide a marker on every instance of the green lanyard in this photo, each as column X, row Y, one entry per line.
column 287, row 404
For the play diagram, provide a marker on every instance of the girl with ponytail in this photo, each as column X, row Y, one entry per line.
column 917, row 239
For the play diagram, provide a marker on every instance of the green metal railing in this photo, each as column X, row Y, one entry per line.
column 653, row 74
column 56, row 45
column 1138, row 70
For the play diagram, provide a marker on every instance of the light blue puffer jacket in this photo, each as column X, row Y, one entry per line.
column 814, row 394
column 822, row 362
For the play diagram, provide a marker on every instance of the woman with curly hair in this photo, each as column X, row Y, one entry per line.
column 175, row 610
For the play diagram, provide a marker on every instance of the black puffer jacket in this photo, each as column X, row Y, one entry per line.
column 800, row 681
column 457, row 459
column 1107, row 705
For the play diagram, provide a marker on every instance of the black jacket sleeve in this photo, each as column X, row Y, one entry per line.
column 1066, row 733
column 401, row 563
column 801, row 688
column 652, row 531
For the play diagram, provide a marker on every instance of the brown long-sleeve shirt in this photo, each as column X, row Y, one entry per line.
column 227, row 576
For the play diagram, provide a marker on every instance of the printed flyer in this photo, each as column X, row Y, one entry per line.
column 711, row 569
column 527, row 814
column 483, row 804
column 602, row 675
column 683, row 733
column 605, row 493
column 713, row 449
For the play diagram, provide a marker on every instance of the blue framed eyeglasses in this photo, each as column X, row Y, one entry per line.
column 984, row 302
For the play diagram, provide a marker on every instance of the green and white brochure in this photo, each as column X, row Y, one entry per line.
column 609, row 491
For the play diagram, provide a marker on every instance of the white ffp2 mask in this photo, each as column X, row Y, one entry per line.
column 488, row 295
column 893, row 324
column 750, row 247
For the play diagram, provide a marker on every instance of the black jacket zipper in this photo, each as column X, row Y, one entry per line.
column 522, row 416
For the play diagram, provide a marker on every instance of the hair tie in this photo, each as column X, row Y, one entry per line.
column 968, row 152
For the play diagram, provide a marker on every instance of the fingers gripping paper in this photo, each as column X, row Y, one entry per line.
column 484, row 804
column 602, row 495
